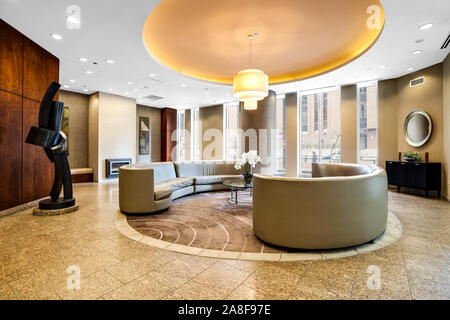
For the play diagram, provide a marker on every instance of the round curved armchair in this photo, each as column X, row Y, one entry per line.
column 342, row 205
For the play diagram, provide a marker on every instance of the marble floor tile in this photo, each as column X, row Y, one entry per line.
column 35, row 253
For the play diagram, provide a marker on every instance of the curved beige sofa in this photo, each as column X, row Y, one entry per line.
column 151, row 187
column 342, row 205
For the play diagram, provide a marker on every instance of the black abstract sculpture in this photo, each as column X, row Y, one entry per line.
column 49, row 136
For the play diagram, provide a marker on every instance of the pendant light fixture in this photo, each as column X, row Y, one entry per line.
column 251, row 85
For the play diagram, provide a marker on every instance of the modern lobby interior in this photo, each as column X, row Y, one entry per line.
column 225, row 150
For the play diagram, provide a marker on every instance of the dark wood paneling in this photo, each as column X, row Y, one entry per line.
column 10, row 150
column 168, row 125
column 82, row 177
column 26, row 70
column 11, row 59
column 40, row 68
column 37, row 170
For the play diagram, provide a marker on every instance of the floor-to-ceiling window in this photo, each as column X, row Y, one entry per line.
column 319, row 132
column 231, row 132
column 181, row 136
column 280, row 142
column 367, row 123
column 196, row 141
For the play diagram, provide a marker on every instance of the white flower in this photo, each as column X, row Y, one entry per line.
column 250, row 157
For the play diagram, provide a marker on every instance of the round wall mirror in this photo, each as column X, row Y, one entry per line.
column 417, row 128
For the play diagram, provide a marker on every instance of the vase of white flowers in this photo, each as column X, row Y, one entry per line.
column 248, row 161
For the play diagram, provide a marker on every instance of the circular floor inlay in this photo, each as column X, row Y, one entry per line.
column 211, row 225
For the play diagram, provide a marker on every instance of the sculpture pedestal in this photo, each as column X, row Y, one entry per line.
column 55, row 212
column 49, row 204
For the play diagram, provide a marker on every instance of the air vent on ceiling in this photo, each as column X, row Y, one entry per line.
column 446, row 43
column 153, row 97
column 417, row 82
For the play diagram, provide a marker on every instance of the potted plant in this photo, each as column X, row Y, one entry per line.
column 412, row 156
column 248, row 161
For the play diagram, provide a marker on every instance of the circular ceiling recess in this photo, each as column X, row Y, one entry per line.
column 297, row 39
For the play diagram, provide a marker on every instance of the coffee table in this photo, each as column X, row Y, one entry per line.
column 235, row 185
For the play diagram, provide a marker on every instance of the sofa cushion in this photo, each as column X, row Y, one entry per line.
column 162, row 192
column 164, row 189
column 204, row 168
column 188, row 169
column 163, row 171
column 176, row 184
column 214, row 179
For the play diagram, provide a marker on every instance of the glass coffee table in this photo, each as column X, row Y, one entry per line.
column 235, row 185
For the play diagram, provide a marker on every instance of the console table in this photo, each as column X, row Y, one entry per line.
column 419, row 175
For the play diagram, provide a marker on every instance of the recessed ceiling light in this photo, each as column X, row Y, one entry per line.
column 416, row 52
column 66, row 86
column 136, row 90
column 426, row 26
column 152, row 74
column 127, row 93
column 71, row 80
column 88, row 71
column 85, row 90
column 410, row 69
column 184, row 85
column 383, row 67
column 73, row 19
column 83, row 59
column 110, row 89
column 56, row 36
column 129, row 83
column 109, row 61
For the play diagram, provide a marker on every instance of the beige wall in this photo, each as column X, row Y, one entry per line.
column 78, row 105
column 427, row 97
column 112, row 130
column 93, row 133
column 291, row 134
column 348, row 124
column 154, row 115
column 387, row 121
column 446, row 125
column 211, row 123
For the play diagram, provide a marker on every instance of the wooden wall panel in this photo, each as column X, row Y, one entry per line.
column 168, row 126
column 40, row 68
column 37, row 170
column 11, row 59
column 10, row 150
column 26, row 70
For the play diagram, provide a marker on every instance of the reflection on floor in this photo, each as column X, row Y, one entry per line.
column 35, row 253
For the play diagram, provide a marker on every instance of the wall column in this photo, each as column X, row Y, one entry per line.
column 291, row 135
column 387, row 121
column 349, row 144
column 262, row 125
column 168, row 126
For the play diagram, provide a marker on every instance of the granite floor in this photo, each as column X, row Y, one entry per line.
column 36, row 252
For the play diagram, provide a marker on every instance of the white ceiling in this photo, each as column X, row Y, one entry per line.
column 112, row 29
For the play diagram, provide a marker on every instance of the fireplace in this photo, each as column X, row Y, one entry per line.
column 113, row 165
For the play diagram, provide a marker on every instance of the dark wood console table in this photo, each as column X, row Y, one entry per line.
column 419, row 175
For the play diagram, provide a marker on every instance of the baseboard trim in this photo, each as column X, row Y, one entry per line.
column 19, row 208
